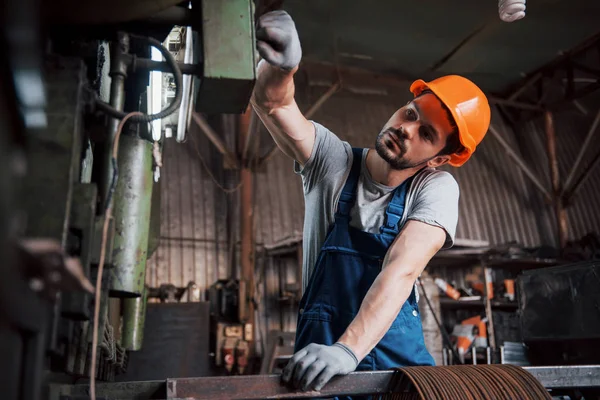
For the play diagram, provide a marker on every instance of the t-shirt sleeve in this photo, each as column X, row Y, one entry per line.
column 437, row 204
column 328, row 158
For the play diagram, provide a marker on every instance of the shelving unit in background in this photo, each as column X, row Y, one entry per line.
column 453, row 266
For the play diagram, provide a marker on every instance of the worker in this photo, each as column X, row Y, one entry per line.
column 374, row 217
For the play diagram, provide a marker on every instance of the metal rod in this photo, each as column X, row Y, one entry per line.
column 581, row 180
column 581, row 153
column 162, row 66
column 247, row 248
column 118, row 73
column 356, row 383
column 585, row 68
column 523, row 87
column 561, row 213
column 520, row 163
column 516, row 104
column 580, row 107
column 215, row 139
column 487, row 274
column 253, row 128
column 321, row 100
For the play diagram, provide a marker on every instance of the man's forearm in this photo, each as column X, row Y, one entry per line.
column 379, row 308
column 405, row 260
column 274, row 87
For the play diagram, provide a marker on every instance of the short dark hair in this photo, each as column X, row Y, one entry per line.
column 453, row 144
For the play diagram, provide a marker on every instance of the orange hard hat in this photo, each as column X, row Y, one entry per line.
column 467, row 104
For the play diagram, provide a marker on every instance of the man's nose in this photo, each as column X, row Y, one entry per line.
column 407, row 131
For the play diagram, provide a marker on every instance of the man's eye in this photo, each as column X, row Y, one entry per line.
column 410, row 114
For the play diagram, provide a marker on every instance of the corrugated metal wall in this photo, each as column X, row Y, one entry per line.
column 195, row 215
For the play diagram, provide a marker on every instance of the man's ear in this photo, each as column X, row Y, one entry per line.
column 438, row 161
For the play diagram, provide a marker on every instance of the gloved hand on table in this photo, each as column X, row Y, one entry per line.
column 314, row 365
column 277, row 40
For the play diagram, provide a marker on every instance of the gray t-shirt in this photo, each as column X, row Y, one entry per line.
column 432, row 197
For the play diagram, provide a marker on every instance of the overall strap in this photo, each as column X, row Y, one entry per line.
column 395, row 209
column 348, row 195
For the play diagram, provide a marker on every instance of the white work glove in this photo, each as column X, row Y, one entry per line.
column 277, row 40
column 316, row 364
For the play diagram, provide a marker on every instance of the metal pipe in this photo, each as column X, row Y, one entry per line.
column 515, row 104
column 247, row 225
column 520, row 163
column 131, row 210
column 560, row 211
column 580, row 107
column 523, row 87
column 584, row 176
column 315, row 107
column 581, row 153
column 230, row 159
column 134, row 316
column 487, row 274
column 118, row 73
column 253, row 130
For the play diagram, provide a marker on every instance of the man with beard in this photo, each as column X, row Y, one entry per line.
column 373, row 219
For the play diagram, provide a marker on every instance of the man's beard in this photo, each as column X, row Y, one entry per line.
column 397, row 162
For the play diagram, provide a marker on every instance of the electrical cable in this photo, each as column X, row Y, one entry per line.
column 439, row 325
column 172, row 107
column 107, row 216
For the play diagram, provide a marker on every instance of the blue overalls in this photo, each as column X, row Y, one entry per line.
column 347, row 266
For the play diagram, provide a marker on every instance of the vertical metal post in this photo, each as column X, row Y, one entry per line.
column 134, row 316
column 118, row 73
column 487, row 273
column 247, row 221
column 559, row 209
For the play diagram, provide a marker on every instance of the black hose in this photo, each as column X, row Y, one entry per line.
column 173, row 106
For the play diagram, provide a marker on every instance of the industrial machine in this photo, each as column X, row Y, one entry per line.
column 81, row 154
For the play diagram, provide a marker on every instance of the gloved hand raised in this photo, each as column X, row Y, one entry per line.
column 316, row 364
column 277, row 40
